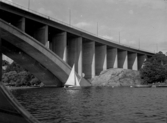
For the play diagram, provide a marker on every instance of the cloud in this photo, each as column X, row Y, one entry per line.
column 82, row 24
column 46, row 12
column 110, row 1
column 162, row 47
column 131, row 12
column 132, row 42
column 154, row 4
column 107, row 37
column 125, row 41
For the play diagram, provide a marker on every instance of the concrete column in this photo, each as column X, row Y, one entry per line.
column 122, row 59
column 100, row 58
column 140, row 58
column 47, row 44
column 132, row 61
column 112, row 60
column 0, row 60
column 74, row 55
column 21, row 24
column 59, row 45
column 41, row 34
column 50, row 44
column 89, row 59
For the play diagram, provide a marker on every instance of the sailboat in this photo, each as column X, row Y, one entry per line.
column 72, row 80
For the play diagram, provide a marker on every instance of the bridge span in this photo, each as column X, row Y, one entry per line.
column 90, row 54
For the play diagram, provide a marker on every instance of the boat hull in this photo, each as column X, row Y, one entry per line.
column 73, row 87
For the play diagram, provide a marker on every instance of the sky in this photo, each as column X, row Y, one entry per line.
column 135, row 23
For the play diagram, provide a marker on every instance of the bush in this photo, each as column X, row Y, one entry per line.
column 155, row 69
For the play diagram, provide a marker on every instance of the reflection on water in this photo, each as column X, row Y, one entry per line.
column 96, row 105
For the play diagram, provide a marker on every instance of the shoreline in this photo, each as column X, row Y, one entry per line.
column 134, row 86
column 19, row 88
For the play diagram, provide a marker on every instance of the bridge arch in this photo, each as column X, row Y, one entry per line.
column 33, row 55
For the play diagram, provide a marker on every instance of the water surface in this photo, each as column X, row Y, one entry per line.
column 96, row 105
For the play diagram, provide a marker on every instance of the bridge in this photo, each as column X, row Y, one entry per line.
column 48, row 49
column 90, row 53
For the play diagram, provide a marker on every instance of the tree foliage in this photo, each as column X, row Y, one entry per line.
column 5, row 63
column 15, row 75
column 155, row 69
column 14, row 67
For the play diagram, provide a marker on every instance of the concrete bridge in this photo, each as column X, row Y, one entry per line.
column 90, row 54
column 48, row 49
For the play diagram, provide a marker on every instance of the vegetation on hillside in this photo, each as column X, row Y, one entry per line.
column 15, row 75
column 155, row 69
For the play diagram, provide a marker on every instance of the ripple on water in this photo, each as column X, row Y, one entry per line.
column 95, row 105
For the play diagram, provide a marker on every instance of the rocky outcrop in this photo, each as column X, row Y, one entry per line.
column 117, row 77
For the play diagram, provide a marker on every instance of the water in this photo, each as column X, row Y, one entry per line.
column 96, row 105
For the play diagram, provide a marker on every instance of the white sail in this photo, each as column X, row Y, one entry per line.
column 77, row 81
column 72, row 79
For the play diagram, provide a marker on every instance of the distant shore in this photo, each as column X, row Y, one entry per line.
column 21, row 87
column 29, row 87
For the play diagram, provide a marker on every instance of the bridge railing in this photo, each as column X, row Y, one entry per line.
column 67, row 24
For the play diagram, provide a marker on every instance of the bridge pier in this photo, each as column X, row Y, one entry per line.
column 100, row 58
column 89, row 59
column 140, row 58
column 15, row 20
column 59, row 44
column 112, row 60
column 21, row 23
column 74, row 55
column 37, row 30
column 122, row 59
column 42, row 34
column 132, row 61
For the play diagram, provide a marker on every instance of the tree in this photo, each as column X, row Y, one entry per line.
column 14, row 67
column 155, row 69
column 5, row 63
column 15, row 75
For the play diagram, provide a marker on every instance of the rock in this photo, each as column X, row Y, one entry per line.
column 117, row 77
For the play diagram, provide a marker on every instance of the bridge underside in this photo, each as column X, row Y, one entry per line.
column 89, row 53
